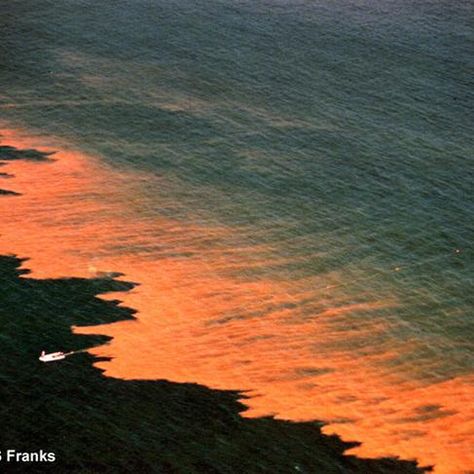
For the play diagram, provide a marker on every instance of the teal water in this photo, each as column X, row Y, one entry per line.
column 336, row 136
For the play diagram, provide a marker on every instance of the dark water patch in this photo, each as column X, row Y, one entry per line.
column 428, row 412
column 312, row 371
column 10, row 153
column 6, row 192
column 98, row 424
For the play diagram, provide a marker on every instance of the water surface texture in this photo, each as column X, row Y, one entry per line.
column 289, row 183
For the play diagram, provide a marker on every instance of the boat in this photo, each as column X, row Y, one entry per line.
column 52, row 356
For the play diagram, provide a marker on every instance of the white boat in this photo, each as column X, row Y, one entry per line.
column 51, row 357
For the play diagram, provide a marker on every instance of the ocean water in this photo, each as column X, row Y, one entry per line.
column 290, row 183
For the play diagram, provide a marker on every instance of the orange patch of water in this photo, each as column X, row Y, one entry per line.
column 198, row 322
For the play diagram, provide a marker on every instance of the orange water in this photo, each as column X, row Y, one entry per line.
column 200, row 319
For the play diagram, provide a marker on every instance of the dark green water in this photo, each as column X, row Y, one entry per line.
column 336, row 136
